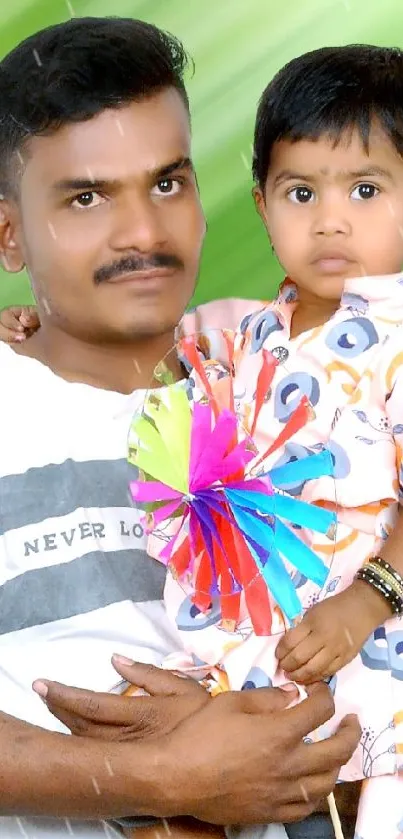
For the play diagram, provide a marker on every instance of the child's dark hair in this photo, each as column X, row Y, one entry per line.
column 327, row 92
column 74, row 70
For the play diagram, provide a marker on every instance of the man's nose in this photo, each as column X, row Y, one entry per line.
column 137, row 225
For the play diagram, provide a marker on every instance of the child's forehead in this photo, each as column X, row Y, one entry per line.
column 328, row 156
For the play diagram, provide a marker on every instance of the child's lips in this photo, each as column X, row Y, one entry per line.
column 332, row 262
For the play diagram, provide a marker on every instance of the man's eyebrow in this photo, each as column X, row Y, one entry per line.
column 94, row 184
column 365, row 172
column 181, row 163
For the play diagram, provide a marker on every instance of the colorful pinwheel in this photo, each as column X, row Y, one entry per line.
column 198, row 468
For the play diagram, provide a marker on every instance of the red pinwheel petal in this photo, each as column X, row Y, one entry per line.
column 255, row 589
column 264, row 381
column 298, row 419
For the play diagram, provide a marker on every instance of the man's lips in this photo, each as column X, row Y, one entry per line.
column 150, row 280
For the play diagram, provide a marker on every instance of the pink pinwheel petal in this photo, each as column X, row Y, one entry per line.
column 150, row 491
column 201, row 430
column 214, row 451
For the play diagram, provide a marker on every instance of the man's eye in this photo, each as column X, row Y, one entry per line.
column 301, row 195
column 87, row 199
column 363, row 192
column 167, row 186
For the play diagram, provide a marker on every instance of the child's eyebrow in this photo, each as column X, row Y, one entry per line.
column 369, row 172
column 365, row 172
column 289, row 175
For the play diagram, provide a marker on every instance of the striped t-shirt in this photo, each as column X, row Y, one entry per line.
column 76, row 584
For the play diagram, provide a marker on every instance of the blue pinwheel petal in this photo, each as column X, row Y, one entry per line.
column 300, row 555
column 254, row 527
column 304, row 469
column 273, row 571
column 292, row 509
column 281, row 586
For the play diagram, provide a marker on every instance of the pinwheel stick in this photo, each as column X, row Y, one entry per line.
column 334, row 815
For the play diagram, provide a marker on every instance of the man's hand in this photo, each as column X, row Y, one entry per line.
column 243, row 759
column 331, row 634
column 235, row 759
column 111, row 717
column 18, row 323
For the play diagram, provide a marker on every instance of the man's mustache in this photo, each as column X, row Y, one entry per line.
column 136, row 263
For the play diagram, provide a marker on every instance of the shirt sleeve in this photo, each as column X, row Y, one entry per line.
column 392, row 382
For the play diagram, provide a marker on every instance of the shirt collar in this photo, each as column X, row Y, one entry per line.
column 382, row 295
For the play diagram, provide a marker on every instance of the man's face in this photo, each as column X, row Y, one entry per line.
column 335, row 212
column 110, row 223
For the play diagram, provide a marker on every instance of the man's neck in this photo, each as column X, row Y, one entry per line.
column 122, row 367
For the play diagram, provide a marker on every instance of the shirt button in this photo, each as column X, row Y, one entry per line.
column 280, row 354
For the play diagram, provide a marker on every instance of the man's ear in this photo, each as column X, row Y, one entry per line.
column 11, row 256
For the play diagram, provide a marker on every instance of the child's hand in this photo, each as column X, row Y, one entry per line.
column 18, row 323
column 331, row 633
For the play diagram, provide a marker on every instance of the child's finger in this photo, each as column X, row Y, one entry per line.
column 318, row 668
column 291, row 639
column 302, row 654
column 9, row 319
column 29, row 317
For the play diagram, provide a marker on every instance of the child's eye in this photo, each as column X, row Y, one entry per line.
column 87, row 199
column 301, row 194
column 363, row 192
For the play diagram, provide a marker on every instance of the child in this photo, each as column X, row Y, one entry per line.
column 329, row 188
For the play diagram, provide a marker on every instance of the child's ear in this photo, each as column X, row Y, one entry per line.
column 11, row 257
column 260, row 205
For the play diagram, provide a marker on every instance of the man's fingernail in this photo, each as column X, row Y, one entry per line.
column 19, row 337
column 122, row 659
column 41, row 689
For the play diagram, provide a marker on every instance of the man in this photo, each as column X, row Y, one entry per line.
column 100, row 203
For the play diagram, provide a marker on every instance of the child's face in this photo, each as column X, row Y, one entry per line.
column 334, row 212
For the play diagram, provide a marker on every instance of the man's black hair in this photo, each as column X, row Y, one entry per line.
column 327, row 92
column 72, row 71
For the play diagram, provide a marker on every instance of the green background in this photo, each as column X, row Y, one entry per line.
column 237, row 45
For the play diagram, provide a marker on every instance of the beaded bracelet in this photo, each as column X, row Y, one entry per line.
column 386, row 576
column 388, row 588
column 381, row 563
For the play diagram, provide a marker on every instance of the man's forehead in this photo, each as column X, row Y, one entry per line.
column 118, row 143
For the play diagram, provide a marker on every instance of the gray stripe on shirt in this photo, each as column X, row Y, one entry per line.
column 59, row 489
column 91, row 582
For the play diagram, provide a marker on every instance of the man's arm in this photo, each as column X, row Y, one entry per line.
column 46, row 773
column 240, row 759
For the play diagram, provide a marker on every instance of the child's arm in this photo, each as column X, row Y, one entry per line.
column 332, row 633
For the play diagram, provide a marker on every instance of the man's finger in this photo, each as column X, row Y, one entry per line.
column 102, row 708
column 154, row 680
column 311, row 713
column 331, row 754
column 263, row 700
